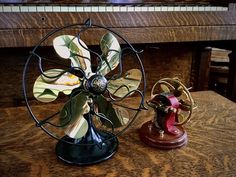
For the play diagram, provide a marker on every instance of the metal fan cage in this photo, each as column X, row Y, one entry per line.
column 83, row 28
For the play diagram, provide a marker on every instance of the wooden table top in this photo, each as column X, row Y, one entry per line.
column 27, row 151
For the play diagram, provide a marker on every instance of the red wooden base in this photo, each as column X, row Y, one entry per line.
column 151, row 135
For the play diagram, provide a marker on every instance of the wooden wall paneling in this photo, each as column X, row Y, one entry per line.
column 158, row 63
column 11, row 69
column 168, row 61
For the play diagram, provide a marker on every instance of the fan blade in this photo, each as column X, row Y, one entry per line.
column 110, row 53
column 118, row 116
column 47, row 89
column 76, row 126
column 179, row 118
column 68, row 47
column 185, row 105
column 122, row 86
column 164, row 88
column 178, row 89
column 171, row 87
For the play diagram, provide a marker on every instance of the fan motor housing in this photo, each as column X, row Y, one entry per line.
column 97, row 84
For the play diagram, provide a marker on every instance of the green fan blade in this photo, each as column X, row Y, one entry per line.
column 47, row 89
column 129, row 82
column 164, row 88
column 72, row 116
column 118, row 116
column 68, row 47
column 178, row 89
column 111, row 52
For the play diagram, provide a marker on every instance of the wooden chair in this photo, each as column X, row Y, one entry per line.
column 219, row 71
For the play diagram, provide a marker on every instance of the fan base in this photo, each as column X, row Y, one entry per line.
column 87, row 154
column 150, row 135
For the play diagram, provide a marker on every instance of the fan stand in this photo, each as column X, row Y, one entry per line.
column 150, row 134
column 96, row 146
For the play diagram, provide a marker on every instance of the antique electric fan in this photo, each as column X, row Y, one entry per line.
column 96, row 86
column 173, row 105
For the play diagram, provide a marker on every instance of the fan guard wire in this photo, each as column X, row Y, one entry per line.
column 84, row 27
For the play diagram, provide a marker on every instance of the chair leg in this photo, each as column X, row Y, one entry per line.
column 231, row 88
column 204, row 69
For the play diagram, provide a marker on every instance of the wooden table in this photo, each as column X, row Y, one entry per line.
column 26, row 151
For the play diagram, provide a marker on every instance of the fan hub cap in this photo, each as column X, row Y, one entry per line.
column 97, row 84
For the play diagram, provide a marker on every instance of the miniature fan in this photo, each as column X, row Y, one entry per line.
column 173, row 105
column 94, row 95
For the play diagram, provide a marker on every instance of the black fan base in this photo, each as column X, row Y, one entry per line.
column 76, row 154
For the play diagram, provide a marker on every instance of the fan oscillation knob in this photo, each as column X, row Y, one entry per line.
column 96, row 84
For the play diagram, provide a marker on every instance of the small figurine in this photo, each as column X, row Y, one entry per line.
column 173, row 107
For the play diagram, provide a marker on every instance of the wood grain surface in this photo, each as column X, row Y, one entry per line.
column 27, row 151
column 29, row 38
column 45, row 20
column 25, row 29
